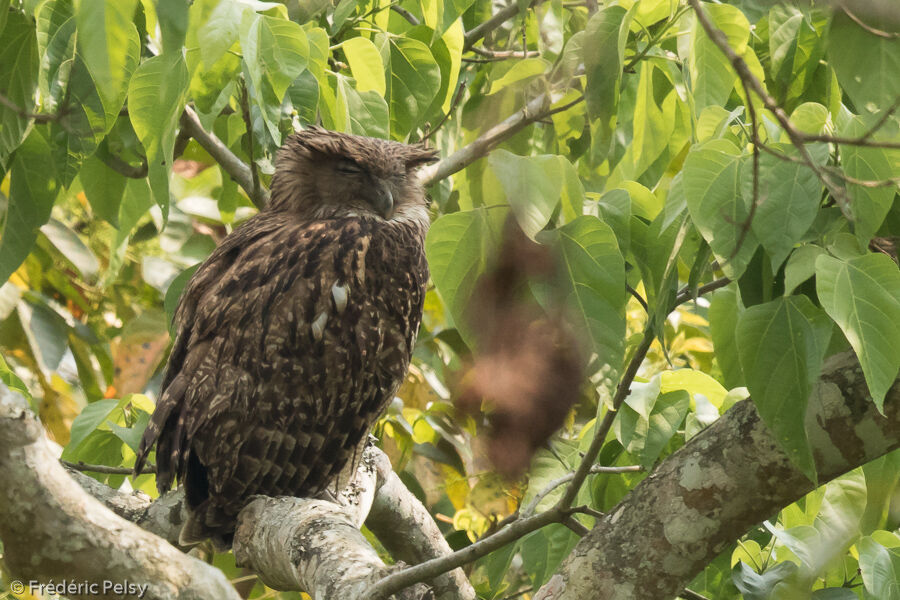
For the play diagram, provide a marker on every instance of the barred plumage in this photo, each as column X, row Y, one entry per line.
column 296, row 332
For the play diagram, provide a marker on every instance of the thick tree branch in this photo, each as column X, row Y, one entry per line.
column 52, row 529
column 230, row 163
column 730, row 477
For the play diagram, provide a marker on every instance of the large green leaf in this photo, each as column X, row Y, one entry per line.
column 724, row 312
column 712, row 187
column 796, row 46
column 880, row 569
column 109, row 45
column 788, row 201
column 604, row 54
column 156, row 100
column 414, row 82
column 781, row 345
column 869, row 205
column 532, row 186
column 862, row 295
column 594, row 284
column 18, row 78
column 457, row 248
column 274, row 49
column 56, row 48
column 365, row 64
column 712, row 76
column 32, row 192
column 866, row 64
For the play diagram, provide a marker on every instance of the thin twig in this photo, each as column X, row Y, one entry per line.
column 457, row 98
column 637, row 297
column 499, row 18
column 230, row 163
column 411, row 18
column 754, row 139
column 878, row 32
column 718, row 37
column 548, row 489
column 686, row 294
column 504, row 54
column 602, row 429
column 426, row 570
column 122, row 167
column 248, row 123
column 81, row 466
column 24, row 114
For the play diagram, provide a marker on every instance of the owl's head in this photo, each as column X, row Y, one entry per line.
column 326, row 174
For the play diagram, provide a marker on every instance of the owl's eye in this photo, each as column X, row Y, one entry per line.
column 348, row 167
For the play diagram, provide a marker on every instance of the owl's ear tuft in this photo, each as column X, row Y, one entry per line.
column 419, row 155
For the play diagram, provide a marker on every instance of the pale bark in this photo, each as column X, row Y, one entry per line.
column 730, row 477
column 53, row 530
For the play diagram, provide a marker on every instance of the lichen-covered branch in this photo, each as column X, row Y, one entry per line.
column 730, row 477
column 52, row 529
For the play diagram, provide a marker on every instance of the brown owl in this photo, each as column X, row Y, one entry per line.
column 296, row 331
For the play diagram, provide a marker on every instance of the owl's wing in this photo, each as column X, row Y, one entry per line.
column 175, row 381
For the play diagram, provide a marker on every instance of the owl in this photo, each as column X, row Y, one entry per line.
column 296, row 332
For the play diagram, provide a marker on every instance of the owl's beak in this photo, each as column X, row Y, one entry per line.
column 384, row 199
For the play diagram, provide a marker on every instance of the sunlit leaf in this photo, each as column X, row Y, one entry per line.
column 862, row 295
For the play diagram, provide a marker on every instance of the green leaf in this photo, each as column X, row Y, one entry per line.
column 532, row 186
column 93, row 415
column 522, row 70
column 275, row 50
column 801, row 265
column 32, row 192
column 18, row 78
column 457, row 247
column 866, row 64
column 862, row 295
column 173, row 23
column 365, row 64
column 594, row 284
column 103, row 188
column 604, row 55
column 781, row 345
column 414, row 83
column 56, row 47
column 12, row 381
column 880, row 568
column 712, row 187
column 869, row 205
column 712, row 76
column 789, row 195
column 110, row 47
column 72, row 248
column 156, row 100
column 796, row 46
column 368, row 113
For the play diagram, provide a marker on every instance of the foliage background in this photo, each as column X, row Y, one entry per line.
column 635, row 164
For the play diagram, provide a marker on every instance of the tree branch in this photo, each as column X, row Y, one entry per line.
column 234, row 166
column 728, row 478
column 498, row 19
column 535, row 110
column 52, row 529
column 407, row 530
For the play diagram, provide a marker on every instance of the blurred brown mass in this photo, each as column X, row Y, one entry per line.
column 528, row 370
